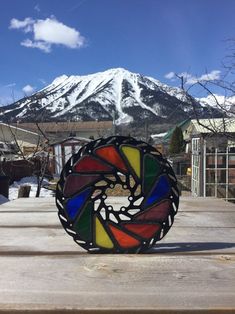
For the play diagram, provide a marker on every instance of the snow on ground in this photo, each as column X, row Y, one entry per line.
column 32, row 181
column 158, row 135
column 3, row 199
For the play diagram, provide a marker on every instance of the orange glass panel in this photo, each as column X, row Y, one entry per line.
column 124, row 240
column 146, row 231
column 159, row 212
column 110, row 154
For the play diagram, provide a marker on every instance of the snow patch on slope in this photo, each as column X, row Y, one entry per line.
column 226, row 104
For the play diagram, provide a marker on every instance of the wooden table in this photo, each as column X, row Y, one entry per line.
column 192, row 270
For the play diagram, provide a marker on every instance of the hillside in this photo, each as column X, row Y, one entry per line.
column 115, row 93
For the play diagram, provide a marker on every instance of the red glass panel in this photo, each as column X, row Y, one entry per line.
column 110, row 154
column 159, row 212
column 146, row 231
column 124, row 239
column 90, row 164
column 74, row 183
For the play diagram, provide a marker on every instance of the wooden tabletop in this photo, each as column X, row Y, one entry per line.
column 192, row 270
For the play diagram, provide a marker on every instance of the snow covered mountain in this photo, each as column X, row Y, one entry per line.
column 227, row 104
column 115, row 93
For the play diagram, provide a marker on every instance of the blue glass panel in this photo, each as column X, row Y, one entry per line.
column 161, row 190
column 75, row 204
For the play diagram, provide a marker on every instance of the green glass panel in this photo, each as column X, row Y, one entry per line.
column 83, row 226
column 151, row 170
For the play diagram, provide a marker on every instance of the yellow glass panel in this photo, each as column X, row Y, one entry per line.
column 133, row 156
column 102, row 238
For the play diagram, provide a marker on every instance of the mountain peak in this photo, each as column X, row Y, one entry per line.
column 59, row 79
column 117, row 92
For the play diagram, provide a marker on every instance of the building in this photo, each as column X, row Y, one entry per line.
column 14, row 139
column 157, row 140
column 180, row 162
column 213, row 157
column 167, row 137
column 8, row 151
column 63, row 130
column 63, row 150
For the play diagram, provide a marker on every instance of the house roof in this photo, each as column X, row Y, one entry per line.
column 158, row 135
column 16, row 128
column 69, row 126
column 10, row 134
column 168, row 135
column 72, row 139
column 217, row 125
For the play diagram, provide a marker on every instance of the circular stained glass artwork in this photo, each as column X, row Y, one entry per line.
column 133, row 223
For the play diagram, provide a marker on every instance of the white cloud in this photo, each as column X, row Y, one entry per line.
column 170, row 75
column 48, row 32
column 26, row 24
column 28, row 89
column 11, row 85
column 191, row 79
column 212, row 76
column 37, row 8
column 54, row 32
column 44, row 46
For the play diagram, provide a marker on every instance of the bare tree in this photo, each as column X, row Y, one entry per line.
column 40, row 155
column 44, row 158
column 220, row 108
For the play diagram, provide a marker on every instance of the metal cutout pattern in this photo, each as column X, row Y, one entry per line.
column 101, row 165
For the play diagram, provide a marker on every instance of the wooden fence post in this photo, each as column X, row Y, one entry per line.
column 4, row 185
column 24, row 191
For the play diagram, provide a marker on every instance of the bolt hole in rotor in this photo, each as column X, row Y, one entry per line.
column 118, row 207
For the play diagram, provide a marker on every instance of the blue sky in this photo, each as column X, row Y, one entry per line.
column 43, row 39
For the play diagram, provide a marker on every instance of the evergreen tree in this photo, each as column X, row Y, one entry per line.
column 176, row 142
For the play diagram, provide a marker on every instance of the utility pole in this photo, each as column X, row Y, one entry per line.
column 146, row 126
column 114, row 125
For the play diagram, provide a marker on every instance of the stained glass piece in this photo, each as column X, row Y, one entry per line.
column 102, row 238
column 110, row 154
column 102, row 168
column 151, row 171
column 133, row 156
column 146, row 231
column 90, row 164
column 124, row 240
column 160, row 191
column 74, row 183
column 75, row 204
column 83, row 225
column 159, row 212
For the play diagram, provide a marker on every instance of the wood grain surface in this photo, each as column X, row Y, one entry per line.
column 192, row 270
